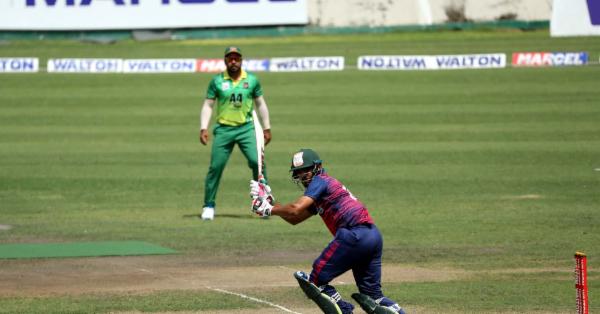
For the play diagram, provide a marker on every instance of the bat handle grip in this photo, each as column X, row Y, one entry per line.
column 261, row 179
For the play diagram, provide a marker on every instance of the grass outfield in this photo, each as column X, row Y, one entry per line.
column 485, row 171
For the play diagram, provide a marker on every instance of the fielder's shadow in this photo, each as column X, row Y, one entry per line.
column 233, row 216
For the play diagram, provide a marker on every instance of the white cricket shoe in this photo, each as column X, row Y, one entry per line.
column 208, row 213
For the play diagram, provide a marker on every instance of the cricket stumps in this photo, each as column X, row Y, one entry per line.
column 581, row 283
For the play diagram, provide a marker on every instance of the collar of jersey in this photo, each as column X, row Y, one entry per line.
column 242, row 76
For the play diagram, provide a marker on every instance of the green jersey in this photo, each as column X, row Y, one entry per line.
column 234, row 98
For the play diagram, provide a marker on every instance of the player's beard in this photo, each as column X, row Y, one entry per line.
column 306, row 181
column 234, row 68
column 303, row 180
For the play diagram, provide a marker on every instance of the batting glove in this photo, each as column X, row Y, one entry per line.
column 261, row 207
column 261, row 190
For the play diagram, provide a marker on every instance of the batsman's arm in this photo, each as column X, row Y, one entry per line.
column 263, row 112
column 296, row 212
column 205, row 114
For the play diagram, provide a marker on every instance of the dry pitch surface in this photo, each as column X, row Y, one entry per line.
column 46, row 277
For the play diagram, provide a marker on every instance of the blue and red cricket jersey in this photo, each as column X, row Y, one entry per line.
column 336, row 205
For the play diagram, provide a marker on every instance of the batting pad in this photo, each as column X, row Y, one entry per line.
column 325, row 302
column 80, row 249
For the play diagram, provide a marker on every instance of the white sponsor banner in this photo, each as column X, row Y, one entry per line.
column 306, row 64
column 84, row 65
column 441, row 62
column 477, row 61
column 575, row 18
column 159, row 65
column 147, row 14
column 218, row 65
column 19, row 65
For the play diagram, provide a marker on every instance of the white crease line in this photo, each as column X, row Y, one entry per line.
column 285, row 267
column 243, row 296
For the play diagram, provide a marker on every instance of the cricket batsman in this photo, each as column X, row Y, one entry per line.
column 357, row 244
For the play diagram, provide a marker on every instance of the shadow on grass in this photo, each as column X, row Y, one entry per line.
column 197, row 216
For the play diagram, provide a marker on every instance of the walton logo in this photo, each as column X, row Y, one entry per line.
column 32, row 3
column 594, row 9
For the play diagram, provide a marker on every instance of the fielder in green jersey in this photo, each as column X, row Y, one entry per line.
column 236, row 93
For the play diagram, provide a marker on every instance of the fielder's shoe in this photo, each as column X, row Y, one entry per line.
column 208, row 213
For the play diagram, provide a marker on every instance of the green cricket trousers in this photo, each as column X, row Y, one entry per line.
column 224, row 139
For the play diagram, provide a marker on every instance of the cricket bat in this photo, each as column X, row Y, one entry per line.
column 260, row 146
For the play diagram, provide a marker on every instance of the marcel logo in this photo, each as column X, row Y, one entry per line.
column 73, row 3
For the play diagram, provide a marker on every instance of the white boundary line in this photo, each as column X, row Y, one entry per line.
column 243, row 296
